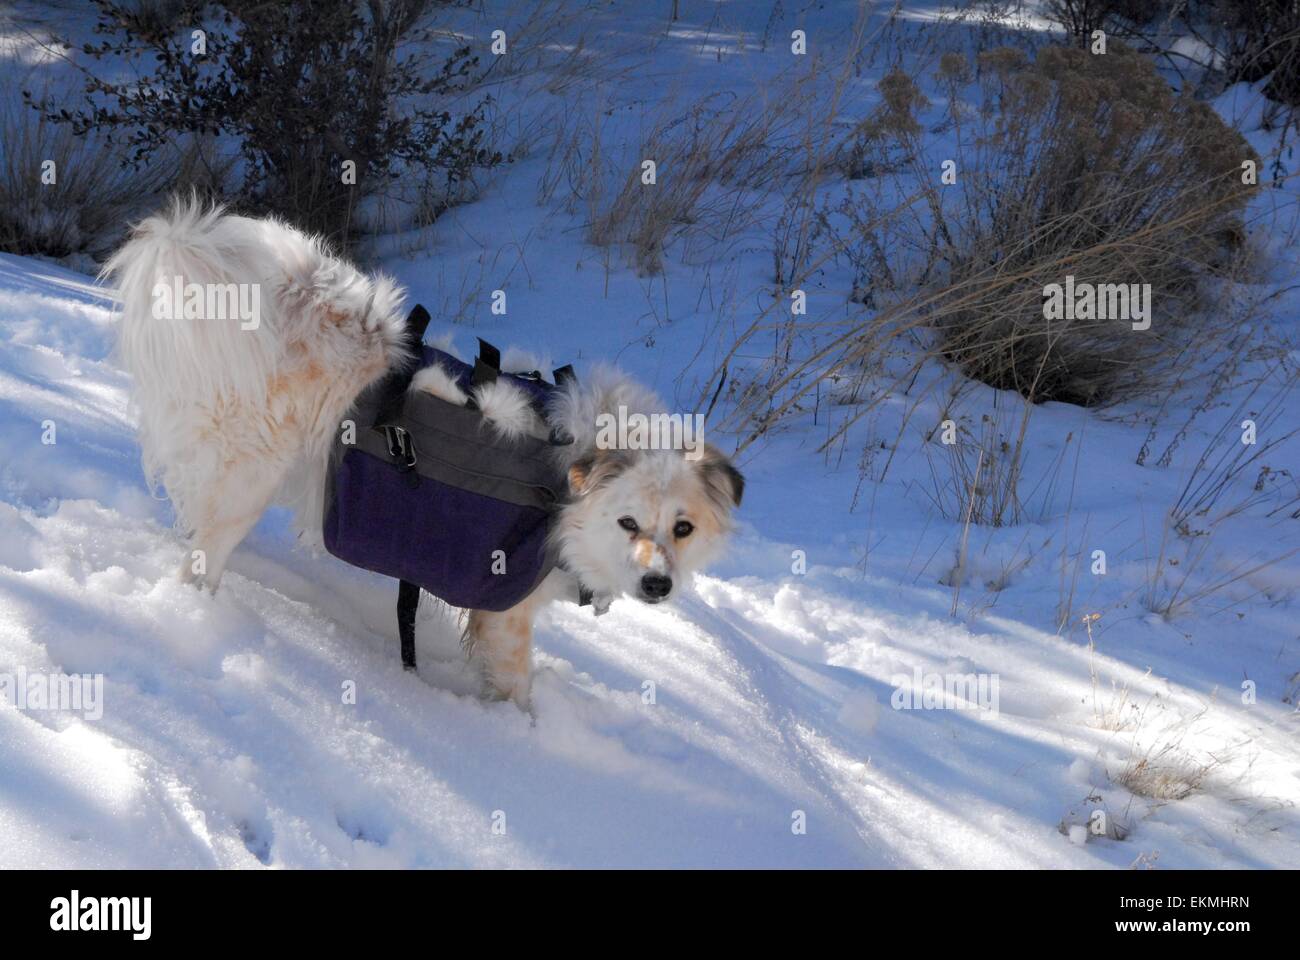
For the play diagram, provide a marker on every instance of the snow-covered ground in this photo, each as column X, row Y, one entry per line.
column 229, row 738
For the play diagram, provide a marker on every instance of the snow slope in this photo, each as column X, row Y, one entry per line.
column 228, row 738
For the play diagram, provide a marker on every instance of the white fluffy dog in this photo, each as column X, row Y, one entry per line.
column 248, row 342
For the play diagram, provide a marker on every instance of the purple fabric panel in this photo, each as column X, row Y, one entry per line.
column 436, row 535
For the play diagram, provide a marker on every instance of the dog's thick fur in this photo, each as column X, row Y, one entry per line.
column 232, row 419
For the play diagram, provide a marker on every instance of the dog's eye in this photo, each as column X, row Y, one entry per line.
column 683, row 528
column 628, row 524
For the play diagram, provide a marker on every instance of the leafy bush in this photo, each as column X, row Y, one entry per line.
column 301, row 87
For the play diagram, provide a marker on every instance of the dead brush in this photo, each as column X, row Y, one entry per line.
column 550, row 57
column 1216, row 486
column 1108, row 167
column 713, row 163
column 717, row 162
column 1165, row 768
column 977, row 480
column 1218, row 489
column 1181, row 575
column 978, row 473
column 547, row 40
column 1062, row 177
column 1070, row 167
column 1119, row 712
column 85, row 210
column 982, row 469
column 1165, row 774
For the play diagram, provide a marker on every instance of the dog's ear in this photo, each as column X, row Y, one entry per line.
column 590, row 472
column 578, row 474
column 721, row 477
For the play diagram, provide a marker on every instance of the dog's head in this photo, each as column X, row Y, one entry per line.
column 640, row 521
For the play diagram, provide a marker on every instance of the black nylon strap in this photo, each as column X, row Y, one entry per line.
column 394, row 386
column 393, row 393
column 559, row 437
column 417, row 321
column 489, row 354
column 487, row 366
column 408, row 602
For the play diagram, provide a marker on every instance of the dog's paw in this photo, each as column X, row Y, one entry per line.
column 199, row 581
column 497, row 688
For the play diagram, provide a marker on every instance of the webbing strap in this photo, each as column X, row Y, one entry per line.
column 487, row 366
column 393, row 387
column 408, row 602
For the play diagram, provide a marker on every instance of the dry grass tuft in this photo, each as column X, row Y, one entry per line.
column 85, row 210
column 1165, row 774
column 713, row 162
column 1165, row 768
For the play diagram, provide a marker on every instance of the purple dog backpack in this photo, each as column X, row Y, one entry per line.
column 430, row 494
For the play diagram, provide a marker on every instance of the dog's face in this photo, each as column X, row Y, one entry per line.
column 641, row 521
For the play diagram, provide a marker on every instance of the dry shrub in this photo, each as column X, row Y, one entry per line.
column 1181, row 576
column 307, row 93
column 1251, row 41
column 707, row 158
column 1069, row 164
column 1080, row 18
column 717, row 161
column 1077, row 165
column 1164, row 775
column 1166, row 762
column 980, row 477
column 86, row 209
column 157, row 16
column 1164, row 769
column 1231, row 477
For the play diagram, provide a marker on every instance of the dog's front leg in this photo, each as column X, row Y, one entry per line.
column 235, row 499
column 501, row 643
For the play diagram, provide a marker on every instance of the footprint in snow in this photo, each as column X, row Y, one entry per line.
column 363, row 828
column 257, row 840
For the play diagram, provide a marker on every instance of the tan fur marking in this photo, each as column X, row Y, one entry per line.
column 502, row 643
column 577, row 477
column 645, row 551
column 703, row 512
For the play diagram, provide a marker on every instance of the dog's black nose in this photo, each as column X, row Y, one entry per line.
column 656, row 586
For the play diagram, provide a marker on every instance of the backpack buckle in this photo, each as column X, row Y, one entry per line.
column 400, row 447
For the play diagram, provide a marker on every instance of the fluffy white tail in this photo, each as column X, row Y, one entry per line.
column 247, row 342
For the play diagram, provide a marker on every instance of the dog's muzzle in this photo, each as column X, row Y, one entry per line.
column 655, row 587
